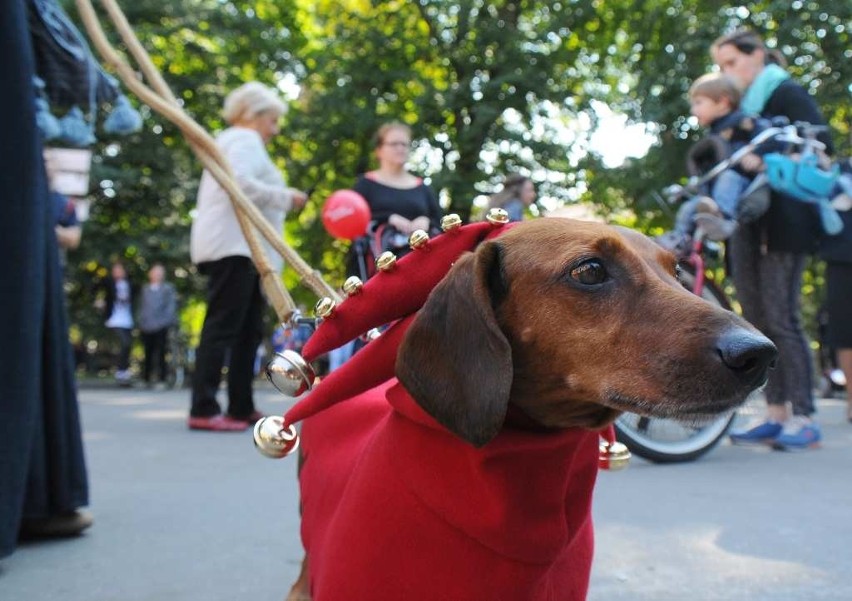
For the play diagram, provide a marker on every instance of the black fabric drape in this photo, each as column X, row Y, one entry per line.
column 63, row 61
column 42, row 469
column 57, row 480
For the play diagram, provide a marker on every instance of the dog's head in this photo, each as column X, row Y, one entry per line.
column 573, row 323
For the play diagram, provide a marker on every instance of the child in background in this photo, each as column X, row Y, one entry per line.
column 714, row 101
column 157, row 313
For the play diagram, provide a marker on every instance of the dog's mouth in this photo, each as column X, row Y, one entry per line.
column 687, row 411
column 698, row 398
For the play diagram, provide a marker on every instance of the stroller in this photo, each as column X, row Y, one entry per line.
column 380, row 237
column 794, row 170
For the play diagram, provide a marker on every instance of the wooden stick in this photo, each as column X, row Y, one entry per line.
column 204, row 146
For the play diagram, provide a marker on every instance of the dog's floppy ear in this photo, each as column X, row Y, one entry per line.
column 454, row 360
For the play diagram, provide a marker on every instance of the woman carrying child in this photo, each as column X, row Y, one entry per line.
column 768, row 256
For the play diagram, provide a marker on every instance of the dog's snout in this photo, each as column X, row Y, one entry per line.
column 747, row 354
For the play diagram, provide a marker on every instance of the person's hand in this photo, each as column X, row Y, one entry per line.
column 421, row 223
column 68, row 237
column 752, row 163
column 400, row 223
column 823, row 160
column 299, row 198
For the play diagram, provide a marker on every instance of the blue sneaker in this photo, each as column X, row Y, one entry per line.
column 798, row 433
column 763, row 433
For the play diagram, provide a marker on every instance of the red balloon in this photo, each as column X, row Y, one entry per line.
column 346, row 215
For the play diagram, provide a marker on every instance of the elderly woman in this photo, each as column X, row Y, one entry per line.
column 219, row 249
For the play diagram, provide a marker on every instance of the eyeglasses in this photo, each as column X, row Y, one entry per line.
column 397, row 144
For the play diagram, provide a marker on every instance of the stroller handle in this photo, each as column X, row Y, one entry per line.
column 788, row 134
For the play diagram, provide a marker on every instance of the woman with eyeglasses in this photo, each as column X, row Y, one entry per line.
column 397, row 198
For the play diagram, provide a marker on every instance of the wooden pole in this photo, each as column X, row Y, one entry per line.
column 161, row 99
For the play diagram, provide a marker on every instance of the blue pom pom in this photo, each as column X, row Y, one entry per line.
column 124, row 119
column 75, row 130
column 47, row 123
column 831, row 221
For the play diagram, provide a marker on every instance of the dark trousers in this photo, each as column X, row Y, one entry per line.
column 233, row 326
column 125, row 340
column 155, row 353
column 768, row 286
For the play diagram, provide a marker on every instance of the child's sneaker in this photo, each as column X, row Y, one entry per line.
column 123, row 378
column 707, row 205
column 754, row 202
column 715, row 227
column 799, row 433
column 763, row 433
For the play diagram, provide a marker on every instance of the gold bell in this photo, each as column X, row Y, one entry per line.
column 418, row 239
column 324, row 307
column 450, row 222
column 386, row 261
column 352, row 285
column 497, row 216
column 613, row 456
column 272, row 439
column 290, row 373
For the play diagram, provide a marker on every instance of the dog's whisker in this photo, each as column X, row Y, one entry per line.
column 680, row 410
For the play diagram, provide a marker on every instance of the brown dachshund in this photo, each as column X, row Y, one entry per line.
column 530, row 344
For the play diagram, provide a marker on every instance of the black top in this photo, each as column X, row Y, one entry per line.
column 791, row 225
column 410, row 203
column 737, row 129
column 838, row 248
column 726, row 135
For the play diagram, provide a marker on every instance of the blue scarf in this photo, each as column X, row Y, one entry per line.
column 762, row 88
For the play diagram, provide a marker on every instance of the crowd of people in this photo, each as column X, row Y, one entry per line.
column 767, row 255
column 767, row 259
column 767, row 248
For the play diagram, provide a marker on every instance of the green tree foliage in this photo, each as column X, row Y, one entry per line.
column 469, row 76
column 669, row 45
column 488, row 88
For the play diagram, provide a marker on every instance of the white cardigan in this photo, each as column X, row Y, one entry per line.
column 215, row 230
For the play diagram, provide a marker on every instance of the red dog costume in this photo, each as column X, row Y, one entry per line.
column 396, row 507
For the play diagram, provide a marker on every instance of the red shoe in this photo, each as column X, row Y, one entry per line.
column 251, row 420
column 255, row 417
column 217, row 423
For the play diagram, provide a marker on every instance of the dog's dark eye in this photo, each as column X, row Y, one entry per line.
column 590, row 273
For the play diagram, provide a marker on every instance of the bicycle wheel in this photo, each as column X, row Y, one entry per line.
column 667, row 440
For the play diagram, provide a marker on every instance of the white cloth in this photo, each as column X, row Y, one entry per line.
column 215, row 230
column 121, row 316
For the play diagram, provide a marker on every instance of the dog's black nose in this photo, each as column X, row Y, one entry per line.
column 748, row 354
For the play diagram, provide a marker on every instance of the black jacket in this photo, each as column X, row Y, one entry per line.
column 791, row 225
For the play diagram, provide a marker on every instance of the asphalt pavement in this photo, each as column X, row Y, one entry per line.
column 190, row 516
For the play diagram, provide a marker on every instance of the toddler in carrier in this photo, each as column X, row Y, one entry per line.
column 714, row 100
